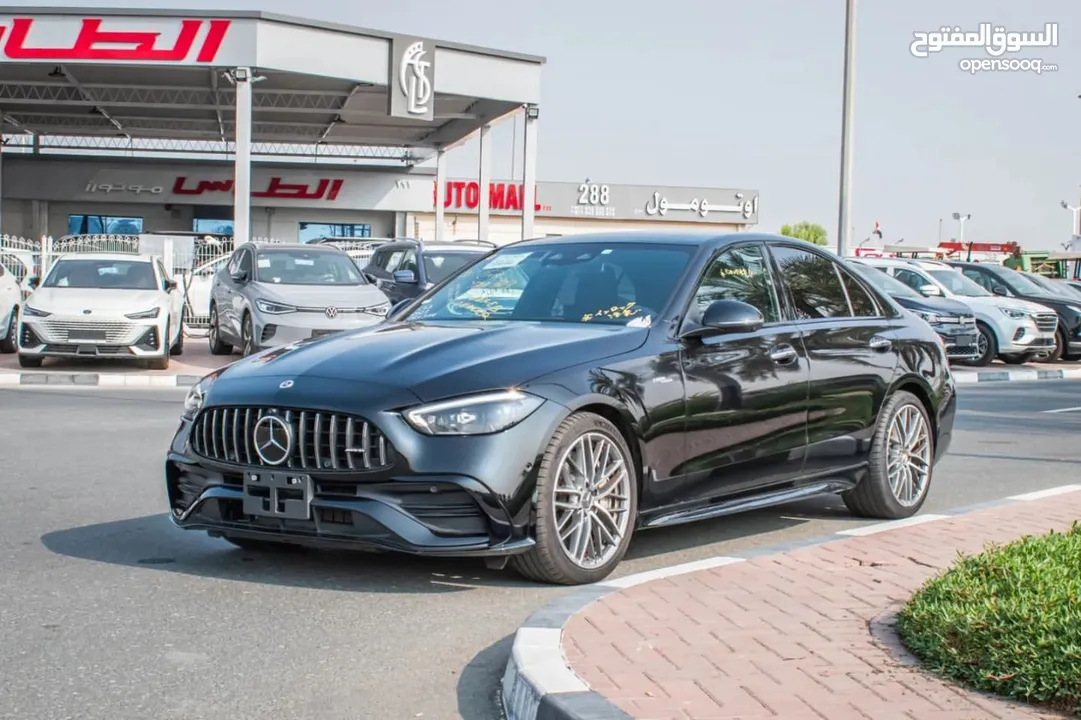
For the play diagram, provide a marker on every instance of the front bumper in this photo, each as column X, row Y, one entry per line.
column 277, row 330
column 1022, row 336
column 435, row 496
column 58, row 336
column 961, row 340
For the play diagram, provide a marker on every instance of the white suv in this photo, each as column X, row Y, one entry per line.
column 1016, row 331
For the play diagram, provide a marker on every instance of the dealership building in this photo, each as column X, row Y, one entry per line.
column 122, row 121
column 289, row 202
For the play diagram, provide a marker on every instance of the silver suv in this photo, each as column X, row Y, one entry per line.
column 270, row 295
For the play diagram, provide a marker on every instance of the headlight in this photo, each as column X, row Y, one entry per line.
column 34, row 312
column 931, row 318
column 144, row 314
column 274, row 308
column 380, row 310
column 474, row 415
column 1013, row 313
column 196, row 396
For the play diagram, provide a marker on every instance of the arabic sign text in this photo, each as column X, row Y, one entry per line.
column 326, row 189
column 197, row 41
column 994, row 39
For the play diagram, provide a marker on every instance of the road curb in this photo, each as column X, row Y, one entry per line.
column 538, row 684
column 966, row 377
column 80, row 380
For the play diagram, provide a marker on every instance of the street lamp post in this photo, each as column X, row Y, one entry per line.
column 1074, row 229
column 961, row 219
column 845, row 208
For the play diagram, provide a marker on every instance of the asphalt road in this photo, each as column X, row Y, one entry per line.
column 107, row 612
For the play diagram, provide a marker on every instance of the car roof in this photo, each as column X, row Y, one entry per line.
column 109, row 257
column 910, row 262
column 306, row 247
column 673, row 237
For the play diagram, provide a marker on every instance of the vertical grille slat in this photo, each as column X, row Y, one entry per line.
column 322, row 441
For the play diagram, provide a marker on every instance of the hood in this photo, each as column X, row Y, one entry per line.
column 997, row 301
column 73, row 301
column 320, row 295
column 940, row 306
column 443, row 360
column 1054, row 302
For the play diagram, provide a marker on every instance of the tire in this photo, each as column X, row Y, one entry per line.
column 217, row 347
column 28, row 361
column 988, row 341
column 178, row 346
column 161, row 363
column 247, row 342
column 1061, row 345
column 874, row 497
column 254, row 545
column 548, row 561
column 1021, row 359
column 10, row 343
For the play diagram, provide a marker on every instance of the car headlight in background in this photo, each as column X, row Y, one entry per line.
column 274, row 308
column 196, row 396
column 1013, row 313
column 474, row 415
column 34, row 312
column 144, row 314
column 379, row 310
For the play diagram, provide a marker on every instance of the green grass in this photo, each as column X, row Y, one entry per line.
column 1007, row 621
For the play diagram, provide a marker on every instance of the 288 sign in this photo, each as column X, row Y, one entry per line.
column 593, row 201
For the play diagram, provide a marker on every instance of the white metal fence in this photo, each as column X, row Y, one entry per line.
column 192, row 261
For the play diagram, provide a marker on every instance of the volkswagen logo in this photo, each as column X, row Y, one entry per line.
column 332, row 312
column 273, row 439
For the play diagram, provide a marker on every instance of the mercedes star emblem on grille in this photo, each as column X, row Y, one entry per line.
column 273, row 439
column 332, row 312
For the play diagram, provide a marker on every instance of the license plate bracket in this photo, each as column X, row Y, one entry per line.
column 282, row 495
column 323, row 333
column 964, row 340
column 84, row 335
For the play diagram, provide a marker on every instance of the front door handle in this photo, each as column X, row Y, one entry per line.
column 783, row 354
column 880, row 343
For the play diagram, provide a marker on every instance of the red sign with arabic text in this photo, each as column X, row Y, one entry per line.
column 94, row 44
column 501, row 196
column 326, row 189
column 1007, row 247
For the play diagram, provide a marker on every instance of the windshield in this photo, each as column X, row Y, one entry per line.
column 614, row 283
column 885, row 283
column 1021, row 284
column 1056, row 287
column 957, row 283
column 440, row 266
column 104, row 274
column 306, row 267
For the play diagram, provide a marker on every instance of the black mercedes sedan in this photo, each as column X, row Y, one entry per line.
column 634, row 381
column 951, row 319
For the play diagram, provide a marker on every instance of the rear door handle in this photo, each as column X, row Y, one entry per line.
column 880, row 343
column 783, row 354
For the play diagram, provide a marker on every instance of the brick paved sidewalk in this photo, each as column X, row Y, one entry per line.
column 787, row 636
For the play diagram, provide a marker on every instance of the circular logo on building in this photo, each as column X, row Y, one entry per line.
column 273, row 439
column 332, row 312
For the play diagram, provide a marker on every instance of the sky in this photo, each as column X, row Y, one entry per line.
column 725, row 94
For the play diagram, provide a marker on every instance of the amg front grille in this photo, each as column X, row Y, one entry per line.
column 318, row 441
column 1046, row 322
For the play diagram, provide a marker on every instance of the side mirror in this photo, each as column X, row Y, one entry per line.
column 1000, row 291
column 930, row 290
column 239, row 276
column 170, row 285
column 726, row 316
column 405, row 276
column 32, row 282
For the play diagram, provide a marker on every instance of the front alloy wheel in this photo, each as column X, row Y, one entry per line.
column 246, row 336
column 986, row 344
column 901, row 462
column 586, row 504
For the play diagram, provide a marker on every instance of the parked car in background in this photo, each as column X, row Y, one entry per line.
column 274, row 294
column 1013, row 330
column 1006, row 282
column 951, row 319
column 10, row 298
column 1055, row 286
column 404, row 269
column 639, row 380
column 103, row 305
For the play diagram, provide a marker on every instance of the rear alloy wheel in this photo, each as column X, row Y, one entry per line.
column 247, row 339
column 901, row 462
column 986, row 344
column 586, row 504
column 217, row 347
column 1059, row 350
column 10, row 343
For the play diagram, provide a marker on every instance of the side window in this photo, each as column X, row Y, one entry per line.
column 409, row 261
column 379, row 259
column 863, row 305
column 234, row 261
column 985, row 280
column 739, row 274
column 162, row 275
column 913, row 280
column 393, row 260
column 813, row 281
column 246, row 262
